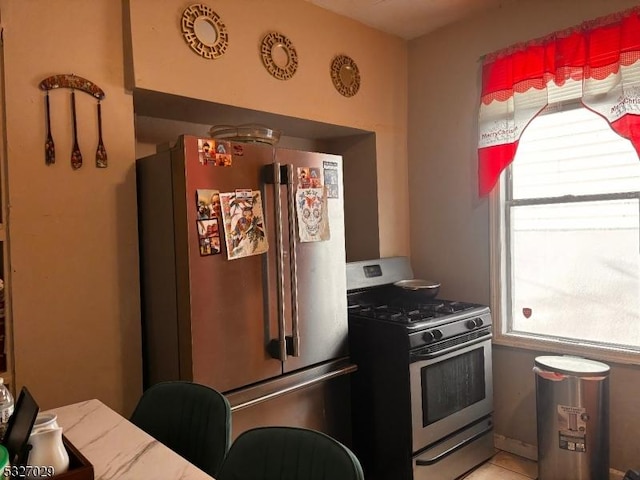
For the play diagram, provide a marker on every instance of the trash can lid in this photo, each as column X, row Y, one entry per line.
column 571, row 365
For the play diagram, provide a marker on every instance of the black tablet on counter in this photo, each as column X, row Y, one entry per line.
column 19, row 428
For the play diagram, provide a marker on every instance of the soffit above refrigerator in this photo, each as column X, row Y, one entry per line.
column 149, row 103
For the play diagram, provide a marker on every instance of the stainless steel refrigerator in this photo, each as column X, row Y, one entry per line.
column 270, row 329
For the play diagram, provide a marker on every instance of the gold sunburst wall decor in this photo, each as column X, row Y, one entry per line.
column 279, row 56
column 204, row 31
column 345, row 75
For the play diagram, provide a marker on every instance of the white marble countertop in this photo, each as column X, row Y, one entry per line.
column 118, row 449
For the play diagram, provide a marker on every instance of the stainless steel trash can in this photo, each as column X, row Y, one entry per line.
column 572, row 407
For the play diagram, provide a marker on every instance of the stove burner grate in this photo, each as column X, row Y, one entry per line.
column 402, row 312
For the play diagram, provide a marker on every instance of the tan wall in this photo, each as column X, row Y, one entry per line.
column 358, row 153
column 74, row 233
column 162, row 62
column 450, row 230
column 515, row 403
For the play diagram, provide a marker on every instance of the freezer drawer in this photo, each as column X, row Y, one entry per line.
column 317, row 398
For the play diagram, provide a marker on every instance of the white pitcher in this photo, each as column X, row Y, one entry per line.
column 45, row 421
column 47, row 450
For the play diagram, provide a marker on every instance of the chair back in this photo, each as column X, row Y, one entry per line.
column 191, row 419
column 289, row 453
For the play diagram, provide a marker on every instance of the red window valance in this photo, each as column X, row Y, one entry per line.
column 602, row 54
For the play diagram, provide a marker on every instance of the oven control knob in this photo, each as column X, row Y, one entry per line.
column 470, row 324
column 428, row 337
column 478, row 322
column 437, row 334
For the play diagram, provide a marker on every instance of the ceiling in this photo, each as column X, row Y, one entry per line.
column 408, row 18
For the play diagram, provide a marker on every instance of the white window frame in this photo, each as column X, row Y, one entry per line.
column 500, row 291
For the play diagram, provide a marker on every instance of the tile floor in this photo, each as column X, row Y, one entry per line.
column 505, row 466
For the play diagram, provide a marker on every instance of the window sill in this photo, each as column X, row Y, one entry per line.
column 564, row 347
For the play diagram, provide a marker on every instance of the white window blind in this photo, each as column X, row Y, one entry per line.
column 572, row 232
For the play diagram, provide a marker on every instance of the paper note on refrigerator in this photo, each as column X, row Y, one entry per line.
column 243, row 224
column 313, row 219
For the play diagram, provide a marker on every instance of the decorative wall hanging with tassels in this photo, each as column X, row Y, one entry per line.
column 74, row 83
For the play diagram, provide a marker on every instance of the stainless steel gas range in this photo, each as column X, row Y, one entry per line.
column 422, row 398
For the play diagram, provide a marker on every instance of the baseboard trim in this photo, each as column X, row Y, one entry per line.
column 615, row 474
column 516, row 447
column 526, row 450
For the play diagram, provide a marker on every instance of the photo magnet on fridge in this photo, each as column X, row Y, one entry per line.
column 209, row 237
column 212, row 152
column 331, row 182
column 208, row 204
column 304, row 180
column 206, row 151
column 331, row 179
column 223, row 154
column 314, row 177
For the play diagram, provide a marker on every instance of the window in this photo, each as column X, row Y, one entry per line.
column 559, row 135
column 566, row 238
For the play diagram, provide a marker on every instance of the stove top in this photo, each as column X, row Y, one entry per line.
column 409, row 309
column 374, row 300
column 409, row 312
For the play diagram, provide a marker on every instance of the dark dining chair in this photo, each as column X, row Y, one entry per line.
column 288, row 453
column 191, row 419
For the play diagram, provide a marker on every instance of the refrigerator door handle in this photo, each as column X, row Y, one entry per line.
column 293, row 261
column 282, row 340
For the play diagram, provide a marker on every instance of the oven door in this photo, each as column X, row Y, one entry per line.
column 449, row 390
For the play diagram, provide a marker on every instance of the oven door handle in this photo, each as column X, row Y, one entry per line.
column 446, row 453
column 416, row 357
